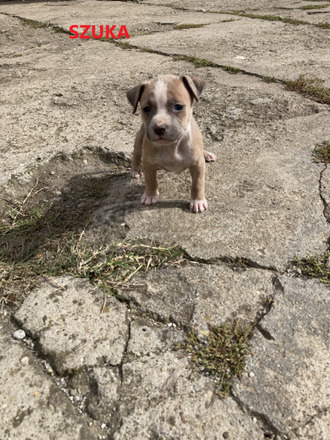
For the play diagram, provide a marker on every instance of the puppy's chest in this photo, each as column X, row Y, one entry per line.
column 175, row 160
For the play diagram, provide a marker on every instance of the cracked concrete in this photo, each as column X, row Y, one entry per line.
column 98, row 367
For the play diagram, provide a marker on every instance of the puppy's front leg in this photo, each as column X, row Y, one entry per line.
column 198, row 202
column 150, row 192
column 137, row 154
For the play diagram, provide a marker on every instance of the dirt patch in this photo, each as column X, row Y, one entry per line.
column 46, row 209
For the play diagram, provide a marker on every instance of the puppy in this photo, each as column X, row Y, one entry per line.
column 169, row 137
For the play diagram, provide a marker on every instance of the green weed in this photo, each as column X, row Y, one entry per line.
column 315, row 267
column 221, row 354
column 322, row 153
column 310, row 87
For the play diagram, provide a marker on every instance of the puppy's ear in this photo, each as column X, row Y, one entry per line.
column 134, row 96
column 194, row 85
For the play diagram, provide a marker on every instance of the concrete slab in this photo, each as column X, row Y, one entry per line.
column 290, row 385
column 204, row 294
column 157, row 395
column 77, row 325
column 279, row 8
column 31, row 405
column 274, row 49
column 264, row 197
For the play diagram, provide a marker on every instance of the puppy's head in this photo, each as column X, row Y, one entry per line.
column 166, row 105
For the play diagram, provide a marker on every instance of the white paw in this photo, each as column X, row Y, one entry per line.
column 198, row 205
column 209, row 157
column 136, row 174
column 148, row 200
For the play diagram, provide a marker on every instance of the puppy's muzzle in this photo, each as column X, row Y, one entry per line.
column 160, row 129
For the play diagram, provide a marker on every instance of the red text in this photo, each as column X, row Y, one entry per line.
column 98, row 32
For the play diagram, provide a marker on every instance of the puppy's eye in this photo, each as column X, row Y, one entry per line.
column 146, row 109
column 178, row 107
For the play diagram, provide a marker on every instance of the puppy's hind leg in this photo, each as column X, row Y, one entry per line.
column 137, row 155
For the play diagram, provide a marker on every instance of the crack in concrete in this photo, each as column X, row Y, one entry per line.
column 120, row 366
column 232, row 262
column 265, row 333
column 270, row 430
column 325, row 205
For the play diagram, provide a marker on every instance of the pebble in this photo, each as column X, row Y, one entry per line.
column 52, row 173
column 19, row 335
column 212, row 130
column 25, row 360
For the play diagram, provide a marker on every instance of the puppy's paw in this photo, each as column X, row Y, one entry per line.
column 136, row 174
column 209, row 157
column 149, row 200
column 198, row 205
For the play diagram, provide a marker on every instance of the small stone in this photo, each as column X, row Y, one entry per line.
column 25, row 360
column 103, row 426
column 85, row 162
column 225, row 434
column 251, row 374
column 212, row 130
column 52, row 173
column 19, row 335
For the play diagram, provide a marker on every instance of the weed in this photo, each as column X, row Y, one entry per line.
column 123, row 44
column 315, row 267
column 310, row 87
column 230, row 69
column 198, row 62
column 323, row 25
column 221, row 354
column 34, row 24
column 308, row 7
column 269, row 79
column 181, row 27
column 147, row 50
column 38, row 240
column 321, row 153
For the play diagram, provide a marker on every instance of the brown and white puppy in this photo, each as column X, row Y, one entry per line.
column 169, row 137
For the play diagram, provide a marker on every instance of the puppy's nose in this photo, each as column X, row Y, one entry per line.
column 160, row 129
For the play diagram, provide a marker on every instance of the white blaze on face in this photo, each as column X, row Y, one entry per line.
column 160, row 94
